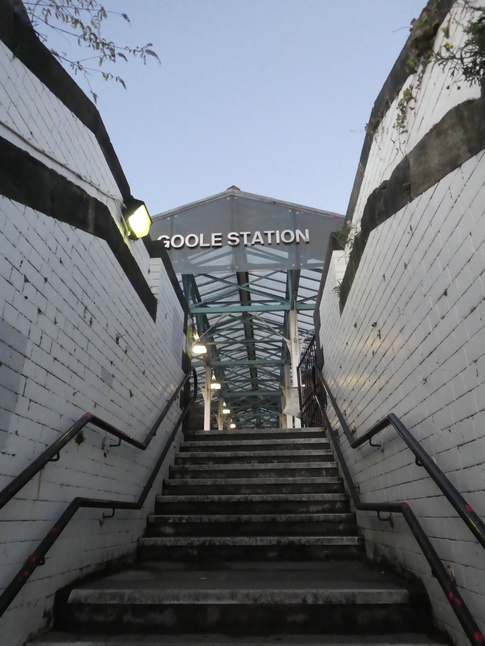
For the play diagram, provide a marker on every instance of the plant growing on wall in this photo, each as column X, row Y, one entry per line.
column 420, row 47
column 345, row 235
column 468, row 61
column 82, row 21
column 403, row 106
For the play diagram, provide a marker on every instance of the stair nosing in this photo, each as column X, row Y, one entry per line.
column 233, row 596
column 60, row 638
column 237, row 541
column 253, row 466
column 248, row 518
column 283, row 442
column 237, row 453
column 242, row 481
column 261, row 497
column 262, row 431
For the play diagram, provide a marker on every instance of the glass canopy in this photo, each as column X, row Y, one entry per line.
column 244, row 263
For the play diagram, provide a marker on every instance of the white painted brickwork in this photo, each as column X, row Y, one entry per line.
column 35, row 120
column 74, row 337
column 411, row 340
column 436, row 93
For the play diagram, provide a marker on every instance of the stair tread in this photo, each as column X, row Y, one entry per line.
column 262, row 441
column 237, row 453
column 254, row 466
column 256, row 431
column 249, row 497
column 222, row 481
column 250, row 540
column 347, row 582
column 250, row 518
column 67, row 639
column 286, row 587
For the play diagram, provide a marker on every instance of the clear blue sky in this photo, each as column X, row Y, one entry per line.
column 270, row 95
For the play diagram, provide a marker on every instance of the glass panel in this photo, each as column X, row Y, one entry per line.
column 241, row 233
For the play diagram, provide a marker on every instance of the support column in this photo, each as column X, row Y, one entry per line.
column 287, row 419
column 220, row 414
column 207, row 396
column 294, row 355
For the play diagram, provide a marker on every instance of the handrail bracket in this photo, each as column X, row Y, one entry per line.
column 389, row 519
column 106, row 516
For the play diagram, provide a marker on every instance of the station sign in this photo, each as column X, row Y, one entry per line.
column 242, row 232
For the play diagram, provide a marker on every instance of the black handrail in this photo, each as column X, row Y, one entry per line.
column 437, row 568
column 88, row 418
column 471, row 519
column 37, row 557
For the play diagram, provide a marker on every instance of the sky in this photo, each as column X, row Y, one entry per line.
column 269, row 95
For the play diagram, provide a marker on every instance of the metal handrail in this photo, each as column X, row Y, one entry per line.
column 37, row 557
column 442, row 575
column 54, row 449
column 463, row 508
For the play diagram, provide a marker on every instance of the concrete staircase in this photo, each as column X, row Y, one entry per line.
column 252, row 542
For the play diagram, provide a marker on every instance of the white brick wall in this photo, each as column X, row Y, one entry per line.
column 35, row 120
column 74, row 337
column 436, row 93
column 411, row 340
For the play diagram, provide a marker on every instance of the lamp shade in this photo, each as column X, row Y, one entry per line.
column 137, row 218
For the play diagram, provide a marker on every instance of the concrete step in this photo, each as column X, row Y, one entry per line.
column 253, row 485
column 243, row 457
column 296, row 469
column 252, row 525
column 69, row 639
column 215, row 446
column 253, row 504
column 238, row 599
column 251, row 434
column 212, row 549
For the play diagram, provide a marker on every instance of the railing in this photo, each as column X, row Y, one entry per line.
column 37, row 557
column 471, row 519
column 310, row 412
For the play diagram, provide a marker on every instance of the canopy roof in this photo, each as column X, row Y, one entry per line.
column 244, row 262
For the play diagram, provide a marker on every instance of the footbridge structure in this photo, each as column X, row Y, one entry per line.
column 250, row 268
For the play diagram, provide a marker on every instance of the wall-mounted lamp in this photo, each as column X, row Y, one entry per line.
column 137, row 218
column 215, row 385
column 226, row 411
column 199, row 348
